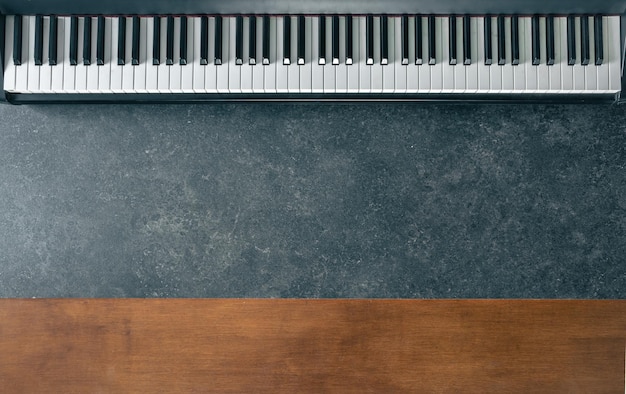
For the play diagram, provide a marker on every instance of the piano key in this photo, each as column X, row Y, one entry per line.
column 536, row 46
column 335, row 39
column 305, row 69
column 156, row 39
column 501, row 41
column 163, row 72
column 73, row 40
column 115, row 81
column 128, row 71
column 317, row 67
column 389, row 78
column 452, row 40
column 301, row 40
column 424, row 73
column 550, row 47
column 104, row 72
column 10, row 66
column 100, row 41
column 69, row 36
column 293, row 73
column 418, row 40
column 169, row 49
column 591, row 73
column 200, row 54
column 218, row 33
column 286, row 40
column 507, row 67
column 87, row 40
column 81, row 69
column 258, row 73
column 136, row 41
column 365, row 72
column 203, row 35
column 52, row 42
column 460, row 82
column 246, row 66
column 432, row 36
column 186, row 81
column 175, row 67
column 412, row 69
column 281, row 77
column 396, row 57
column 481, row 40
column 471, row 69
column 45, row 71
column 571, row 40
column 141, row 54
column 487, row 41
column 436, row 69
column 341, row 69
column 17, row 40
column 349, row 40
column 519, row 71
column 561, row 35
column 329, row 69
column 598, row 42
column 579, row 72
column 495, row 73
column 151, row 45
column 369, row 40
column 210, row 70
column 515, row 47
column 239, row 40
column 531, row 25
column 447, row 72
column 183, row 40
column 38, row 51
column 384, row 40
column 222, row 29
column 92, row 72
column 266, row 40
column 613, row 52
column 543, row 72
column 467, row 40
column 376, row 80
column 121, row 40
column 234, row 69
column 405, row 39
column 584, row 36
column 252, row 40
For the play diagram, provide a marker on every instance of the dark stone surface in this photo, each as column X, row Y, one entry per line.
column 282, row 200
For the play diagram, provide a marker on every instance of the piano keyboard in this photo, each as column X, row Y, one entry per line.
column 312, row 54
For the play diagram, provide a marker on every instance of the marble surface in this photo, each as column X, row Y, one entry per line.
column 313, row 200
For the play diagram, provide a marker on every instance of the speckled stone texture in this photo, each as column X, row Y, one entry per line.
column 313, row 200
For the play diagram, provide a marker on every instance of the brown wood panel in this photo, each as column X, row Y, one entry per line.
column 251, row 345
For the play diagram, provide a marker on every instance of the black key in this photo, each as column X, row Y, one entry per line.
column 384, row 40
column 501, row 42
column 135, row 48
column 452, row 39
column 301, row 39
column 38, row 55
column 322, row 40
column 487, row 38
column 218, row 40
column 432, row 50
column 156, row 41
column 266, row 40
column 239, row 40
column 73, row 41
column 287, row 39
column 369, row 40
column 252, row 41
column 87, row 41
column 405, row 39
column 52, row 43
column 584, row 37
column 169, row 48
column 536, row 55
column 100, row 42
column 418, row 40
column 121, row 40
column 597, row 35
column 183, row 41
column 550, row 40
column 467, row 41
column 349, row 42
column 204, row 40
column 17, row 40
column 514, row 40
column 571, row 41
column 335, row 48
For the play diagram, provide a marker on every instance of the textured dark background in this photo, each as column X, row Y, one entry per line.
column 310, row 200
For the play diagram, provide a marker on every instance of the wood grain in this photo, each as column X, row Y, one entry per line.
column 317, row 346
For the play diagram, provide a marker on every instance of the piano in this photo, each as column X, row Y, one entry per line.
column 322, row 50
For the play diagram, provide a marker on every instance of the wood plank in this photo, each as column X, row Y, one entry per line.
column 245, row 345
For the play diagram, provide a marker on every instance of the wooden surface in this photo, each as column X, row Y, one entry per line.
column 317, row 346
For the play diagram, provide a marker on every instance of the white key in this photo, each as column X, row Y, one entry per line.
column 341, row 69
column 543, row 73
column 93, row 70
column 329, row 68
column 437, row 70
column 460, row 83
column 57, row 71
column 531, row 71
column 567, row 72
column 163, row 70
column 555, row 70
column 175, row 68
column 282, row 74
column 471, row 70
column 246, row 68
column 258, row 70
column 579, row 72
column 400, row 70
column 152, row 71
column 128, row 71
column 495, row 70
column 104, row 71
column 21, row 74
column 293, row 71
column 484, row 71
column 211, row 69
column 270, row 69
column 234, row 70
column 33, row 70
column 376, row 82
column 613, row 54
column 389, row 70
column 353, row 69
column 186, row 70
column 45, row 70
column 412, row 69
column 224, row 69
column 448, row 70
column 507, row 69
column 81, row 69
column 193, row 63
column 365, row 71
column 69, row 71
column 115, row 81
column 424, row 70
column 519, row 71
column 591, row 72
column 317, row 70
column 144, row 59
column 305, row 69
column 9, row 67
